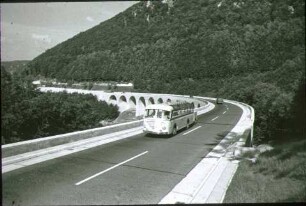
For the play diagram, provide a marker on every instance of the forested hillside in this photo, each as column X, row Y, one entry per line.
column 247, row 50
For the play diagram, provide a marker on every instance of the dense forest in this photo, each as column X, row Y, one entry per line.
column 27, row 113
column 250, row 51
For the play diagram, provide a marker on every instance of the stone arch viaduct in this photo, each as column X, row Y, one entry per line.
column 138, row 101
column 131, row 100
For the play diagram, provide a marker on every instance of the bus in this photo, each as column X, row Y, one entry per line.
column 168, row 119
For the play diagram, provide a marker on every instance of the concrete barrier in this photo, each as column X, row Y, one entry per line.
column 246, row 139
column 45, row 142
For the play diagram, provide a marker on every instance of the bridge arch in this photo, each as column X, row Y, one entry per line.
column 142, row 101
column 160, row 101
column 141, row 105
column 192, row 105
column 122, row 99
column 168, row 101
column 151, row 101
column 122, row 103
column 112, row 100
column 132, row 102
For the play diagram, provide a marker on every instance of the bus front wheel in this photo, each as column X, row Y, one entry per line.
column 174, row 131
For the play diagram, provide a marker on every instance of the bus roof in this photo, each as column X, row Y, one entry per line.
column 171, row 107
column 160, row 106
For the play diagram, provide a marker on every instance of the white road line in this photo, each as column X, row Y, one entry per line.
column 224, row 112
column 215, row 118
column 100, row 173
column 192, row 130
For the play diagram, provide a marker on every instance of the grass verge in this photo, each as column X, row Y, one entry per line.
column 279, row 175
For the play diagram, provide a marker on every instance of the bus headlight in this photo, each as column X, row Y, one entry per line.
column 163, row 126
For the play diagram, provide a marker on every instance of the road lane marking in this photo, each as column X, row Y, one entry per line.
column 215, row 118
column 224, row 112
column 192, row 130
column 117, row 165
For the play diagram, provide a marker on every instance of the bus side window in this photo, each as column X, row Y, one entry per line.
column 150, row 113
column 174, row 113
column 167, row 115
column 159, row 113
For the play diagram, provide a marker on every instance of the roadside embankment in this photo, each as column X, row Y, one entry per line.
column 277, row 175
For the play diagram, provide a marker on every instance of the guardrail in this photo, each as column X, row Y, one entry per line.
column 45, row 142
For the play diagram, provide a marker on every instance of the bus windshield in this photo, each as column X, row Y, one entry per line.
column 157, row 113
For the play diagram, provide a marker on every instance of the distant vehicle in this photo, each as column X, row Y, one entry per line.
column 168, row 119
column 219, row 101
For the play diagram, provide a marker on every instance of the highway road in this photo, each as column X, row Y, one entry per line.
column 137, row 170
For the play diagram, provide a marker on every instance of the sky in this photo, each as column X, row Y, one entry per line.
column 28, row 29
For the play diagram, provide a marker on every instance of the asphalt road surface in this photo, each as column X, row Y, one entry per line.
column 137, row 170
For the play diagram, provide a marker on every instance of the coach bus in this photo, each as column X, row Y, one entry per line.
column 168, row 119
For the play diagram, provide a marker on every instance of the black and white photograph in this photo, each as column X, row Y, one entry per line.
column 153, row 102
